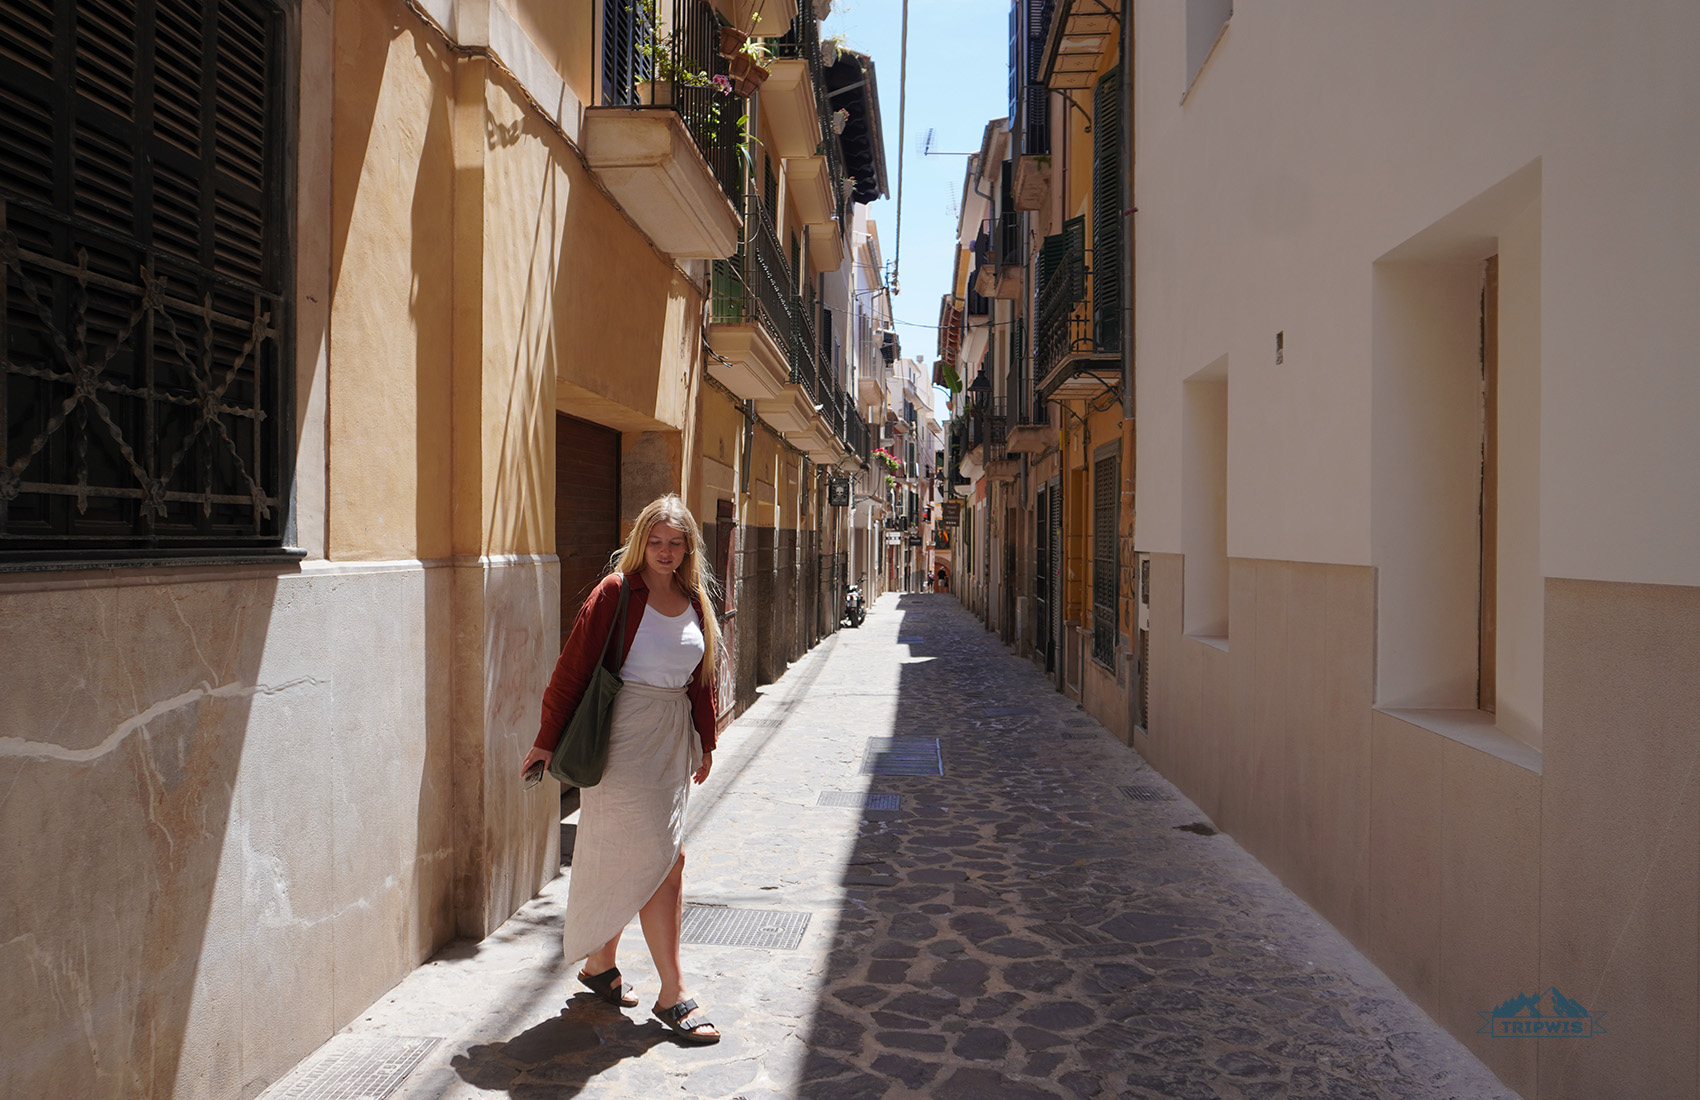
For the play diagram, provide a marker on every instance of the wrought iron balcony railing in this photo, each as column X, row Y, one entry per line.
column 1065, row 325
column 676, row 66
column 755, row 284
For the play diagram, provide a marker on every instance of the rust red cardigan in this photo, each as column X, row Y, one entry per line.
column 584, row 645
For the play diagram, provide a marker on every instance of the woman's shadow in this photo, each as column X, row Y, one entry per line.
column 561, row 1055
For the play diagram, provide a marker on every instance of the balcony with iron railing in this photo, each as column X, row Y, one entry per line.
column 665, row 138
column 1004, row 272
column 753, row 312
column 1075, row 345
column 766, row 348
column 801, row 42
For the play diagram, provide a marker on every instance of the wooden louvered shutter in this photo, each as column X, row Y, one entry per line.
column 1038, row 121
column 625, row 27
column 1074, row 255
column 1104, row 560
column 144, row 315
column 1107, row 212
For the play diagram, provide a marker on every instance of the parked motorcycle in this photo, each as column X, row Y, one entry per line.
column 855, row 607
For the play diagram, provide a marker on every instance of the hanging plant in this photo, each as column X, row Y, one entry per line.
column 732, row 41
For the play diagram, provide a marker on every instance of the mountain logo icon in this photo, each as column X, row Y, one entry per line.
column 1548, row 1015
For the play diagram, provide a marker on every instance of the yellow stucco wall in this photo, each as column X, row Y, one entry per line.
column 391, row 285
column 564, row 32
column 527, row 191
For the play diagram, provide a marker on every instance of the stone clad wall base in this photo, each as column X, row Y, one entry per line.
column 1469, row 878
column 235, row 787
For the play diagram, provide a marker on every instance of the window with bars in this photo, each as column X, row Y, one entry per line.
column 1104, row 563
column 144, row 314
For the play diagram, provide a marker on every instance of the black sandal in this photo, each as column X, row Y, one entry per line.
column 674, row 1018
column 610, row 987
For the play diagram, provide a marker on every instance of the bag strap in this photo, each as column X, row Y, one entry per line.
column 618, row 629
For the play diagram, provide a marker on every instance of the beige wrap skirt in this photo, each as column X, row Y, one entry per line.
column 632, row 824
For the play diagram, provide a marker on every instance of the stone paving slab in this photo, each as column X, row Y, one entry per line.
column 1018, row 929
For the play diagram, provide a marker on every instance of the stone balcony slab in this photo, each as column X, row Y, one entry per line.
column 1030, row 439
column 747, row 360
column 788, row 105
column 647, row 160
column 810, row 185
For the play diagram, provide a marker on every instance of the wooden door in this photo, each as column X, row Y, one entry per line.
column 587, row 508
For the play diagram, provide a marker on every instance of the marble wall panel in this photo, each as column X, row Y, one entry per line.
column 1490, row 889
column 225, row 827
column 1620, row 833
column 1405, row 871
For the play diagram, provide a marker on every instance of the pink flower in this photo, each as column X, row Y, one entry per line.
column 722, row 84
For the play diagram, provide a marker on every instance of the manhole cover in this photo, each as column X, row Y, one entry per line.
column 1001, row 712
column 860, row 801
column 1147, row 794
column 902, row 756
column 353, row 1067
column 719, row 926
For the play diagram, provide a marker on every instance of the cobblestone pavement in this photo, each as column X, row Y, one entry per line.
column 1018, row 928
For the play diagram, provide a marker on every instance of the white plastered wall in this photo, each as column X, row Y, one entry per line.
column 1321, row 136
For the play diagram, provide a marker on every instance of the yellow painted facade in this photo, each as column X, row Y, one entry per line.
column 343, row 720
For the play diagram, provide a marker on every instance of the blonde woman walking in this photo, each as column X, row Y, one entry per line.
column 627, row 856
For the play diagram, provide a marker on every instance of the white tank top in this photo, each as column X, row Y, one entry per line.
column 666, row 649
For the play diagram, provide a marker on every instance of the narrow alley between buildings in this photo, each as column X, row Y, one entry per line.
column 1029, row 912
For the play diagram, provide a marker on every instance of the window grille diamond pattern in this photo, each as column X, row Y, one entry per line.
column 143, row 362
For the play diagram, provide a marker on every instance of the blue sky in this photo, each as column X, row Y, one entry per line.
column 958, row 80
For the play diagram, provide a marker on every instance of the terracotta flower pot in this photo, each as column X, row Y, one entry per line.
column 732, row 41
column 747, row 74
column 653, row 93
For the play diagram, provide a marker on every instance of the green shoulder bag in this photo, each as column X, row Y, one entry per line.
column 582, row 752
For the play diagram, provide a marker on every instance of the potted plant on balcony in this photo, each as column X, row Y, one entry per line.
column 732, row 37
column 749, row 67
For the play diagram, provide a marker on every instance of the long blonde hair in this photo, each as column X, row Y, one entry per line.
column 695, row 575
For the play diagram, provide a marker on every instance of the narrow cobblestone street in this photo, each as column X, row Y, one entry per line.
column 1019, row 927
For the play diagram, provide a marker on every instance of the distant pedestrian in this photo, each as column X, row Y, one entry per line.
column 627, row 855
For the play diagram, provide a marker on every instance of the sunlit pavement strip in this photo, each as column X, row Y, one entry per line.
column 1018, row 929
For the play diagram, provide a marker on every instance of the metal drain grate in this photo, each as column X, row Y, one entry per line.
column 860, row 801
column 761, row 722
column 719, row 926
column 1147, row 794
column 902, row 756
column 353, row 1067
column 1079, row 735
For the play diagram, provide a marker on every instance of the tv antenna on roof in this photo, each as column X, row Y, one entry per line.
column 927, row 149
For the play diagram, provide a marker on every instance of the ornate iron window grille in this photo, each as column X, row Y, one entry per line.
column 145, row 369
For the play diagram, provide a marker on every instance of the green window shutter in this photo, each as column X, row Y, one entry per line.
column 1074, row 234
column 1107, row 211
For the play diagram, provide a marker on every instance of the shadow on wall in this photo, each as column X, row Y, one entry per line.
column 120, row 743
